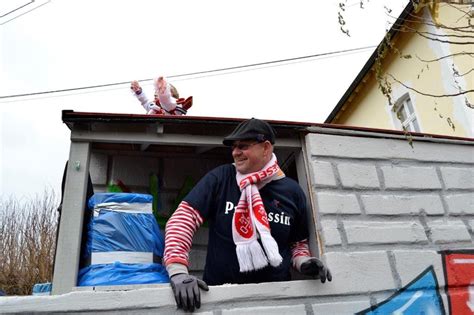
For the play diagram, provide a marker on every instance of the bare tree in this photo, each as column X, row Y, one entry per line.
column 27, row 242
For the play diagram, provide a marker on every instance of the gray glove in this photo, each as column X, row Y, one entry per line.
column 315, row 267
column 186, row 291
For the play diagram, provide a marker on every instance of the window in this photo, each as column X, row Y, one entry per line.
column 162, row 156
column 405, row 114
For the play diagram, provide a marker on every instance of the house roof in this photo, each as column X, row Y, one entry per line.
column 183, row 124
column 394, row 30
column 71, row 117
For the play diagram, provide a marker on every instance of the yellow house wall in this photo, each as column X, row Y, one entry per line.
column 447, row 115
column 367, row 108
column 450, row 16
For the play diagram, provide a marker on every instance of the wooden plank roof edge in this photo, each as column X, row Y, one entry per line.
column 69, row 116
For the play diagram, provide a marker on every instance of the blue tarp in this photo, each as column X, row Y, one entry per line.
column 99, row 198
column 42, row 288
column 122, row 274
column 123, row 231
column 112, row 231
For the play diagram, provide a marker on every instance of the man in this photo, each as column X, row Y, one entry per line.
column 257, row 221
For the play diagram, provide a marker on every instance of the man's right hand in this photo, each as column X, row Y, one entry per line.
column 186, row 291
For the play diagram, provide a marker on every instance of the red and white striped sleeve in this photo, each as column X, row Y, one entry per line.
column 300, row 253
column 179, row 234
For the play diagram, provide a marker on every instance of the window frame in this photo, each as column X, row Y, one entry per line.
column 404, row 114
column 119, row 134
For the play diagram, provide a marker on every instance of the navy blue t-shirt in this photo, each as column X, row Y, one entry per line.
column 215, row 197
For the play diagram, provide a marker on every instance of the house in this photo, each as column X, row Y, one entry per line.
column 394, row 223
column 432, row 54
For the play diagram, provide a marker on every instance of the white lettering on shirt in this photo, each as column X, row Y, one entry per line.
column 281, row 218
column 229, row 206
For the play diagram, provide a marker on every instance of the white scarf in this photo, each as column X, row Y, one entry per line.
column 250, row 217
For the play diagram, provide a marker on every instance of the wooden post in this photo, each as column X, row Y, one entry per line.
column 69, row 240
column 304, row 179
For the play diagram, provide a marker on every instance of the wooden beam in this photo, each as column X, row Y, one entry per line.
column 66, row 264
column 304, row 179
column 165, row 139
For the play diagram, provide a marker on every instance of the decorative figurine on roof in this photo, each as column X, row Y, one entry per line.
column 166, row 101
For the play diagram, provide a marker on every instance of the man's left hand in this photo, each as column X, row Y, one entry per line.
column 315, row 267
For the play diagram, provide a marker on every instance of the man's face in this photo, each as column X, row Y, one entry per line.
column 250, row 156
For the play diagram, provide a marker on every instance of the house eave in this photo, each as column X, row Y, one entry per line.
column 369, row 64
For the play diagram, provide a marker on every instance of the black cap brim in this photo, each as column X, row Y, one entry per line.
column 252, row 129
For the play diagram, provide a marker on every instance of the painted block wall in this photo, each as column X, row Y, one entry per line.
column 395, row 226
column 387, row 211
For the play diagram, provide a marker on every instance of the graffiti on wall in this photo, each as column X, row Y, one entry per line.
column 459, row 275
column 422, row 294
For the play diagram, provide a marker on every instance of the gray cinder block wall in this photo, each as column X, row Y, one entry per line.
column 388, row 217
column 386, row 211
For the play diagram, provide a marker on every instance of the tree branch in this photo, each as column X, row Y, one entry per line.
column 461, row 75
column 466, row 13
column 445, row 41
column 420, row 20
column 464, row 53
column 428, row 94
column 407, row 29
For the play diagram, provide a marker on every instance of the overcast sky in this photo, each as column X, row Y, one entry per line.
column 64, row 44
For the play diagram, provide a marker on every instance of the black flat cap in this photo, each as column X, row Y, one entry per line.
column 252, row 129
